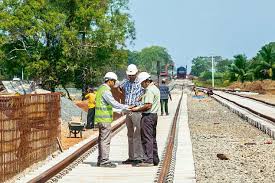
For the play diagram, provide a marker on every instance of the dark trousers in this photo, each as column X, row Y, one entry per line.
column 148, row 137
column 91, row 118
column 164, row 104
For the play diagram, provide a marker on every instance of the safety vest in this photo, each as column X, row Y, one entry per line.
column 103, row 112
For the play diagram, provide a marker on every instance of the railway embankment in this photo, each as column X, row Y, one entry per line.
column 227, row 148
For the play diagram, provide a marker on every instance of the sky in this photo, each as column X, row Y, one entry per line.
column 191, row 28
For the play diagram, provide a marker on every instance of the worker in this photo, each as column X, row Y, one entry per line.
column 133, row 91
column 164, row 94
column 149, row 120
column 105, row 103
column 90, row 96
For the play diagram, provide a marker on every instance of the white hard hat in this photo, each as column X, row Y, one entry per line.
column 110, row 75
column 131, row 69
column 143, row 76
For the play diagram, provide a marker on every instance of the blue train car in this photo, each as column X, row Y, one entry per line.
column 181, row 73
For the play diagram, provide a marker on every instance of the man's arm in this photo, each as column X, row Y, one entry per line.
column 148, row 101
column 142, row 108
column 108, row 97
column 167, row 91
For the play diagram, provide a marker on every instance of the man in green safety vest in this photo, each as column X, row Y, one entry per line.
column 105, row 103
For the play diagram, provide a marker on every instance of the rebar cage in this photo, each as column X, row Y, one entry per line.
column 29, row 127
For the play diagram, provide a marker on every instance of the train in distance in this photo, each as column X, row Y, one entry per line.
column 181, row 72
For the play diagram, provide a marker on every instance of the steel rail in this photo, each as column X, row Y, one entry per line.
column 249, row 109
column 258, row 100
column 230, row 92
column 48, row 174
column 169, row 147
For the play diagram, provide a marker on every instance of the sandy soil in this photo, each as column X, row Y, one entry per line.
column 267, row 98
column 67, row 141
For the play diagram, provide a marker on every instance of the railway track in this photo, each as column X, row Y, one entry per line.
column 263, row 113
column 164, row 172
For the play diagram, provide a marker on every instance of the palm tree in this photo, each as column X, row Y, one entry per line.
column 240, row 68
column 267, row 59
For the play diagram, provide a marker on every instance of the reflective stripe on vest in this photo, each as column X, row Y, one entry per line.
column 103, row 112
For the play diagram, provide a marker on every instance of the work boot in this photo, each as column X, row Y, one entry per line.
column 128, row 161
column 108, row 165
column 144, row 164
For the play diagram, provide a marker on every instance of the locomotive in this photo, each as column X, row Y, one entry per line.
column 181, row 73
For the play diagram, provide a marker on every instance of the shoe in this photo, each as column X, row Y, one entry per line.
column 161, row 114
column 135, row 162
column 143, row 164
column 156, row 164
column 167, row 114
column 108, row 165
column 128, row 161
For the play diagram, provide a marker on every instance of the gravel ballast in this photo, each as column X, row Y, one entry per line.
column 218, row 134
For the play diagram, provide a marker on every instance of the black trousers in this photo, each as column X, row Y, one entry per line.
column 164, row 104
column 148, row 137
column 91, row 118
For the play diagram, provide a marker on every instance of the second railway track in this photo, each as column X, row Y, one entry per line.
column 259, row 113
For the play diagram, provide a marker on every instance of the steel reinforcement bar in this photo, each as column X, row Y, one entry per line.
column 48, row 174
column 168, row 158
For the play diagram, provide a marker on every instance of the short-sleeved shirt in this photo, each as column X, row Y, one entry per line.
column 164, row 91
column 133, row 91
column 91, row 100
column 152, row 96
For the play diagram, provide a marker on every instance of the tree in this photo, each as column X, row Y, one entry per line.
column 266, row 60
column 222, row 65
column 200, row 65
column 149, row 56
column 70, row 41
column 240, row 68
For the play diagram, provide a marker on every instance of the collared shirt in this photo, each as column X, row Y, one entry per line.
column 133, row 91
column 91, row 100
column 164, row 91
column 109, row 99
column 152, row 96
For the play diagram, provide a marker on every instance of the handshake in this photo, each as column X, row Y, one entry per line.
column 133, row 108
column 130, row 109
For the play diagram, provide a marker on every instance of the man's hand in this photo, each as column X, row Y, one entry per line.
column 131, row 106
column 135, row 109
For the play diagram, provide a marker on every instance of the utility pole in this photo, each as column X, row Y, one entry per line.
column 22, row 75
column 213, row 77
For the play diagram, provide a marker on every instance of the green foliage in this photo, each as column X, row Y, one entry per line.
column 64, row 41
column 240, row 69
column 265, row 61
column 200, row 65
column 223, row 65
column 147, row 58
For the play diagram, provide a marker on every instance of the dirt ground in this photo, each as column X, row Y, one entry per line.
column 262, row 87
column 67, row 141
column 265, row 88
